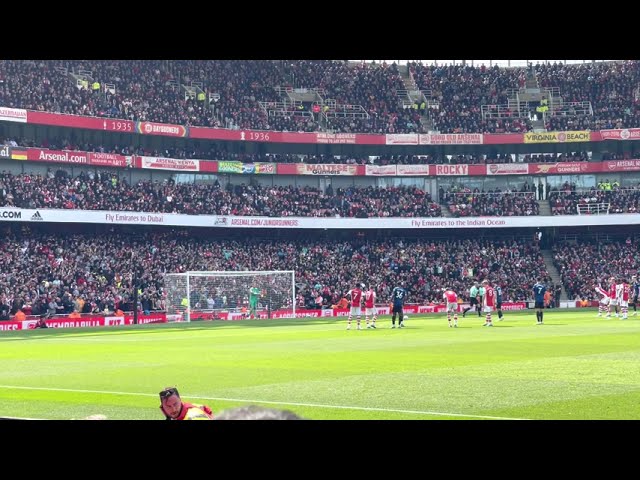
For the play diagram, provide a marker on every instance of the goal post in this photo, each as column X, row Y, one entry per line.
column 229, row 295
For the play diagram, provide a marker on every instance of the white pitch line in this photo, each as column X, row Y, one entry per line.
column 243, row 400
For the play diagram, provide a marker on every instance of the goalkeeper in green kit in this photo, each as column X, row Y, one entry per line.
column 254, row 295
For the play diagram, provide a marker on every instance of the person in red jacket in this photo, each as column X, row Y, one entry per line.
column 174, row 408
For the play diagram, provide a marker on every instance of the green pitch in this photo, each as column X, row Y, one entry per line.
column 575, row 366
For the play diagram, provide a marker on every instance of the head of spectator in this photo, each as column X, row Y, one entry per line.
column 174, row 408
column 256, row 412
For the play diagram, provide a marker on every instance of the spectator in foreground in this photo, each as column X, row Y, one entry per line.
column 256, row 412
column 174, row 408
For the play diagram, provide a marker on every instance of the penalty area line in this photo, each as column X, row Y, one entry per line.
column 252, row 401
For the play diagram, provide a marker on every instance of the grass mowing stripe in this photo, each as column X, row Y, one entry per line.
column 312, row 405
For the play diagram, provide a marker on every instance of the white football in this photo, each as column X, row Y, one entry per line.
column 405, row 317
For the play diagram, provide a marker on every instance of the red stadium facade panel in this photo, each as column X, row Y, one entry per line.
column 152, row 128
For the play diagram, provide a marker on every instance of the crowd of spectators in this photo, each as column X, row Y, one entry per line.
column 584, row 264
column 567, row 200
column 463, row 201
column 150, row 90
column 611, row 87
column 459, row 91
column 107, row 191
column 99, row 190
column 56, row 273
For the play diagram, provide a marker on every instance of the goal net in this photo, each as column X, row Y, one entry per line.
column 229, row 295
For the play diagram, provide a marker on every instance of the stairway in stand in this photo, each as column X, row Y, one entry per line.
column 553, row 271
column 545, row 208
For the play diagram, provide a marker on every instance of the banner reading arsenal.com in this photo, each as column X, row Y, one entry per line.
column 57, row 156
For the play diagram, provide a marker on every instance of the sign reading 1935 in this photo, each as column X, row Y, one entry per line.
column 119, row 125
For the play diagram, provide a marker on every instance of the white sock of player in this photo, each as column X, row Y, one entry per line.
column 625, row 310
column 449, row 318
column 455, row 319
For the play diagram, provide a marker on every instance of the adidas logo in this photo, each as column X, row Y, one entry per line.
column 36, row 217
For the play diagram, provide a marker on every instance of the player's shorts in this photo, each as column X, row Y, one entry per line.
column 473, row 301
column 487, row 309
column 539, row 305
column 452, row 307
column 605, row 300
column 355, row 310
column 613, row 302
column 396, row 309
column 635, row 300
column 370, row 311
column 499, row 306
column 624, row 304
